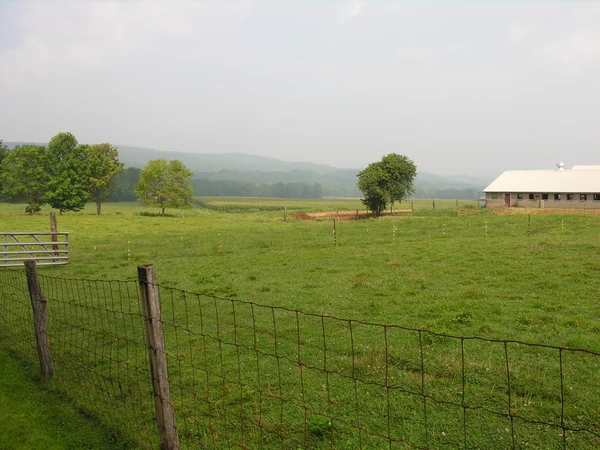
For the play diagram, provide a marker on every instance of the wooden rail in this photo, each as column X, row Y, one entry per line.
column 45, row 248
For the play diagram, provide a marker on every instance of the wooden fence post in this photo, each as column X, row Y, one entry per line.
column 285, row 214
column 38, row 304
column 165, row 412
column 54, row 229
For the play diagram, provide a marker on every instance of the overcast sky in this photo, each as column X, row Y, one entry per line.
column 459, row 87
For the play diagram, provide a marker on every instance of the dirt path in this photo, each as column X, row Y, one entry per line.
column 344, row 215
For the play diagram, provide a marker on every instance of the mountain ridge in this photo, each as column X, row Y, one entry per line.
column 249, row 168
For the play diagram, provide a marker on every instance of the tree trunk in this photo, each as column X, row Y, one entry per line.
column 163, row 212
column 98, row 207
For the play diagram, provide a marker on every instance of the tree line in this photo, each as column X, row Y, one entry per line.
column 234, row 188
column 66, row 174
column 63, row 174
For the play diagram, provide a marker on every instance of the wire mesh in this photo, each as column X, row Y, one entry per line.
column 246, row 375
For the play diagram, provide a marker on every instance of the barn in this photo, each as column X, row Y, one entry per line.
column 578, row 187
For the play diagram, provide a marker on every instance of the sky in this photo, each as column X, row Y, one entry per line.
column 461, row 88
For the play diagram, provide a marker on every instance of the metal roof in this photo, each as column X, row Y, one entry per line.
column 580, row 179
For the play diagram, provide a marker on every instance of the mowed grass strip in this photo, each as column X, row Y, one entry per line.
column 33, row 417
column 471, row 273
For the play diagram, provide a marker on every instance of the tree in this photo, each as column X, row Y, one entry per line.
column 3, row 154
column 386, row 181
column 103, row 167
column 24, row 177
column 66, row 165
column 400, row 172
column 165, row 183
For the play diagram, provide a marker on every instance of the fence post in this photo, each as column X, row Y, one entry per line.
column 54, row 229
column 285, row 214
column 38, row 304
column 165, row 413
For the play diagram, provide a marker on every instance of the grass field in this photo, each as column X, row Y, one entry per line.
column 466, row 273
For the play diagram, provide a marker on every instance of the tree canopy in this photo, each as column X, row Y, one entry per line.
column 387, row 181
column 65, row 162
column 24, row 177
column 103, row 167
column 166, row 184
column 64, row 173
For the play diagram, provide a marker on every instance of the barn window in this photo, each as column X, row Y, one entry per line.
column 597, row 197
column 556, row 196
column 520, row 196
column 531, row 196
column 494, row 196
column 583, row 197
column 569, row 196
column 544, row 196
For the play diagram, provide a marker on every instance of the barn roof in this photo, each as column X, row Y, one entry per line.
column 584, row 179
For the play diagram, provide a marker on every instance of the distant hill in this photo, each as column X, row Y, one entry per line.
column 242, row 167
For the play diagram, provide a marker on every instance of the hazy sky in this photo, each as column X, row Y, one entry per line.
column 459, row 87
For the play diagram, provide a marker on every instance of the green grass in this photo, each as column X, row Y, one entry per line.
column 33, row 417
column 465, row 274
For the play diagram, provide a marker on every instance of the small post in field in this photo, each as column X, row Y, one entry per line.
column 337, row 214
column 155, row 340
column 562, row 225
column 38, row 304
column 528, row 224
column 284, row 214
column 433, row 203
column 220, row 244
column 411, row 206
column 334, row 234
column 456, row 203
column 54, row 229
column 357, row 214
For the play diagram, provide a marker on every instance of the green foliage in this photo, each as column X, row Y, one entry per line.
column 3, row 153
column 372, row 183
column 387, row 181
column 205, row 187
column 125, row 183
column 165, row 184
column 103, row 166
column 66, row 166
column 24, row 177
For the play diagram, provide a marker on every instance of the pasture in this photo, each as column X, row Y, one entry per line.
column 465, row 273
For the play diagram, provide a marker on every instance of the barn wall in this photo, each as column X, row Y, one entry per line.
column 550, row 203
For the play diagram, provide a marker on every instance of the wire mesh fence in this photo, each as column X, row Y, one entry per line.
column 246, row 375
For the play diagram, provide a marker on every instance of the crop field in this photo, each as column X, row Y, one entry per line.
column 336, row 321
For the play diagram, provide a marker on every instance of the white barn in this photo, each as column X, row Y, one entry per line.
column 578, row 187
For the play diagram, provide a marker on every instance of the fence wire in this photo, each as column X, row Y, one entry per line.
column 246, row 375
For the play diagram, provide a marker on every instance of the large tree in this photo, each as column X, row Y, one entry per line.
column 67, row 168
column 166, row 184
column 103, row 167
column 3, row 154
column 24, row 177
column 387, row 181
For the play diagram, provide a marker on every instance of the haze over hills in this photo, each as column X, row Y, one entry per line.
column 246, row 168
